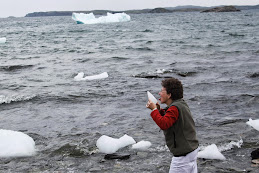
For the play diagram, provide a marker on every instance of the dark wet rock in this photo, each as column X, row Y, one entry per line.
column 254, row 75
column 222, row 9
column 117, row 156
column 160, row 10
column 185, row 74
column 69, row 150
column 255, row 154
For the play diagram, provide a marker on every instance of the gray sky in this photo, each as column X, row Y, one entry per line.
column 20, row 8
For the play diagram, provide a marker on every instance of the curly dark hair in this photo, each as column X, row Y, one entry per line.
column 174, row 87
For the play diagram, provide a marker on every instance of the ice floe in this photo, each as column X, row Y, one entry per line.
column 151, row 97
column 82, row 18
column 109, row 145
column 2, row 40
column 211, row 152
column 141, row 145
column 80, row 76
column 253, row 123
column 16, row 144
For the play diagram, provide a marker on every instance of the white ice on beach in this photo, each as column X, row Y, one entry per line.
column 211, row 152
column 151, row 97
column 110, row 145
column 82, row 18
column 253, row 123
column 80, row 76
column 2, row 40
column 141, row 145
column 16, row 144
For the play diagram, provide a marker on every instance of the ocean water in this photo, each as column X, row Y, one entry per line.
column 215, row 55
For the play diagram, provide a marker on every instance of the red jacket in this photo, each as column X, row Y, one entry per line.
column 165, row 119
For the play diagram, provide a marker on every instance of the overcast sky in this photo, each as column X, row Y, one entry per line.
column 20, row 8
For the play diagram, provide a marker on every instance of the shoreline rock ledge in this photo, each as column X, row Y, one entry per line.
column 222, row 9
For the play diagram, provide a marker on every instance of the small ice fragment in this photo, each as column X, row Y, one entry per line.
column 110, row 145
column 141, row 145
column 151, row 97
column 16, row 144
column 211, row 152
column 80, row 76
column 2, row 40
column 253, row 123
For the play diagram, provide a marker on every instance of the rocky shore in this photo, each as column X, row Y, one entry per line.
column 155, row 10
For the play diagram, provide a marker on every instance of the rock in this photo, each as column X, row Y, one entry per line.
column 255, row 154
column 222, row 9
column 117, row 156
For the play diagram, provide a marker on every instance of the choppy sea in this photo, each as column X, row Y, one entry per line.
column 215, row 55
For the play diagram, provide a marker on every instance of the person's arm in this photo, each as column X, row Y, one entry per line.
column 166, row 121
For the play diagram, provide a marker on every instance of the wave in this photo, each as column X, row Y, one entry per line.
column 14, row 67
column 15, row 98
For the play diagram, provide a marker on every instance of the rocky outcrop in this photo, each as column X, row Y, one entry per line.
column 222, row 9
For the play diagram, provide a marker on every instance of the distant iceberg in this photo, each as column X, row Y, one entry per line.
column 2, row 40
column 82, row 18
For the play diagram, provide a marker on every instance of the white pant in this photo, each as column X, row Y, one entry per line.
column 185, row 164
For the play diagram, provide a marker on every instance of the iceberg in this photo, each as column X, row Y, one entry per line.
column 253, row 123
column 80, row 76
column 2, row 40
column 16, row 144
column 82, row 18
column 211, row 152
column 141, row 145
column 151, row 97
column 109, row 145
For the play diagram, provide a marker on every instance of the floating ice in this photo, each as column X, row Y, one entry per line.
column 15, row 144
column 82, row 18
column 151, row 97
column 231, row 145
column 80, row 76
column 211, row 152
column 2, row 40
column 110, row 145
column 141, row 145
column 253, row 123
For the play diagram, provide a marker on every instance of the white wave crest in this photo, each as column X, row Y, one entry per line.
column 15, row 98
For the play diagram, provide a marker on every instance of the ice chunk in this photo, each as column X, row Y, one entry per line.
column 211, row 152
column 80, row 76
column 151, row 97
column 141, row 145
column 82, row 18
column 16, row 144
column 110, row 145
column 2, row 40
column 253, row 123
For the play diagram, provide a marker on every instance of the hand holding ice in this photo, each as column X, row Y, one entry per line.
column 15, row 144
column 110, row 145
column 151, row 97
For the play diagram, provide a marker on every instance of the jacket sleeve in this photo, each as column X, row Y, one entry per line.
column 166, row 121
